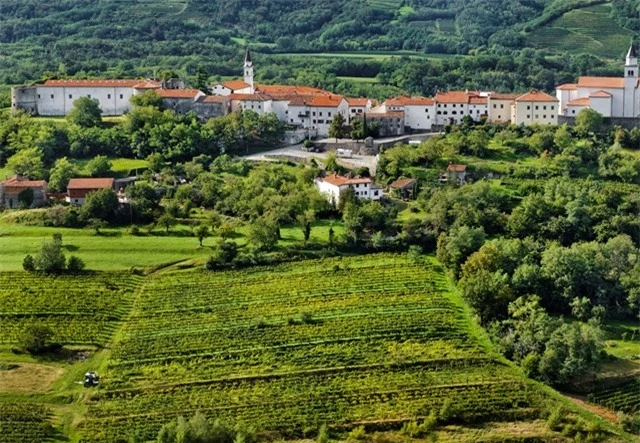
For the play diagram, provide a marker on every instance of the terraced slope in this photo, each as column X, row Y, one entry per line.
column 360, row 340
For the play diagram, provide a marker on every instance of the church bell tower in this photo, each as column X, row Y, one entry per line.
column 248, row 70
column 630, row 82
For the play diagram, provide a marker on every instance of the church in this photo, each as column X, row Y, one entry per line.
column 610, row 96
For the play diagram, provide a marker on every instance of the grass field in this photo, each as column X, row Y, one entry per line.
column 117, row 249
column 121, row 167
column 590, row 30
column 378, row 55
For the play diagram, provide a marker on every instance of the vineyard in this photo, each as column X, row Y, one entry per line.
column 623, row 397
column 340, row 341
column 80, row 309
column 24, row 423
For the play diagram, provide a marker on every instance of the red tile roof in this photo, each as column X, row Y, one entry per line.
column 389, row 114
column 358, row 102
column 148, row 84
column 402, row 183
column 236, row 85
column 601, row 82
column 456, row 168
column 300, row 100
column 568, row 87
column 455, row 96
column 237, row 96
column 287, row 89
column 478, row 100
column 408, row 101
column 18, row 181
column 584, row 101
column 72, row 83
column 338, row 180
column 212, row 99
column 600, row 94
column 258, row 97
column 498, row 96
column 326, row 101
column 180, row 93
column 90, row 183
column 536, row 96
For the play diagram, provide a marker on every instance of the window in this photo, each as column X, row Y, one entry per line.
column 286, row 112
column 320, row 114
column 537, row 107
column 494, row 106
column 501, row 106
column 88, row 95
column 528, row 116
column 70, row 95
column 38, row 95
column 109, row 96
column 51, row 96
column 321, row 121
column 573, row 112
column 537, row 116
column 314, row 121
column 544, row 116
column 454, row 112
column 329, row 114
column 439, row 112
column 552, row 108
column 544, row 107
column 375, row 193
column 121, row 96
column 314, row 114
column 445, row 112
column 291, row 120
column 353, row 111
column 528, row 107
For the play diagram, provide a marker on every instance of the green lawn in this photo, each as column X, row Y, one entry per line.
column 361, row 79
column 122, row 167
column 117, row 249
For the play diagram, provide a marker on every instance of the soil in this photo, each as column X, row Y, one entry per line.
column 29, row 377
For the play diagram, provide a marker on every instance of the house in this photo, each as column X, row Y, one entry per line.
column 536, row 107
column 18, row 191
column 389, row 123
column 180, row 100
column 610, row 96
column 419, row 112
column 332, row 185
column 405, row 188
column 455, row 173
column 79, row 188
column 500, row 107
column 357, row 107
column 453, row 106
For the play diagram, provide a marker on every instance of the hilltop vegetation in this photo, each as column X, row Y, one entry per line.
column 85, row 38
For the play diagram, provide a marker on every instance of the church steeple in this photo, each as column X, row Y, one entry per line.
column 248, row 70
column 632, row 57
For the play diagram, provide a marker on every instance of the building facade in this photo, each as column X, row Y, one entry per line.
column 332, row 185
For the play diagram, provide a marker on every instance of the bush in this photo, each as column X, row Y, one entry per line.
column 358, row 433
column 630, row 422
column 323, row 435
column 75, row 264
column 28, row 264
column 35, row 339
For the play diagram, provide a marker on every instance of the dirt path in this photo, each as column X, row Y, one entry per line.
column 600, row 411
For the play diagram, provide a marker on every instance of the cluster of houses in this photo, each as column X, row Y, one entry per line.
column 19, row 191
column 313, row 109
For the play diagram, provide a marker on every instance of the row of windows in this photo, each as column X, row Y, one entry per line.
column 456, row 112
column 501, row 106
column 544, row 108
column 537, row 116
column 88, row 96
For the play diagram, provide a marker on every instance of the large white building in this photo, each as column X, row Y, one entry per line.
column 610, row 96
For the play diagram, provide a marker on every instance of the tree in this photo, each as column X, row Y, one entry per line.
column 101, row 204
column 487, row 293
column 50, row 258
column 99, row 166
column 358, row 129
column 60, row 174
column 336, row 129
column 588, row 121
column 202, row 232
column 263, row 234
column 148, row 98
column 35, row 338
column 27, row 162
column 201, row 80
column 306, row 220
column 454, row 248
column 85, row 113
column 167, row 220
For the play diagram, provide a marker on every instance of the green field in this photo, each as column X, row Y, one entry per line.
column 590, row 30
column 624, row 397
column 117, row 249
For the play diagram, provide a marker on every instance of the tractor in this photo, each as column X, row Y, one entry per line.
column 91, row 379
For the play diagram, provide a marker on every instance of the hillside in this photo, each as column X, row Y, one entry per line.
column 85, row 37
column 376, row 340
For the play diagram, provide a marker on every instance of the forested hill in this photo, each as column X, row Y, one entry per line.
column 134, row 37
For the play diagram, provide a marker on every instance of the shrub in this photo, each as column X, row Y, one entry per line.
column 358, row 433
column 35, row 339
column 28, row 264
column 630, row 422
column 75, row 264
column 323, row 435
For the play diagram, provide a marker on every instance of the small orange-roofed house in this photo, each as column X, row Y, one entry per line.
column 18, row 191
column 332, row 185
column 79, row 188
column 536, row 107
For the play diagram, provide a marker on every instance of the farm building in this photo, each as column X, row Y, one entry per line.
column 19, row 191
column 79, row 188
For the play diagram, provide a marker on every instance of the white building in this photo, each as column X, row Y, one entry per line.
column 419, row 112
column 332, row 185
column 610, row 96
column 536, row 108
column 501, row 107
column 358, row 107
column 56, row 97
column 453, row 106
